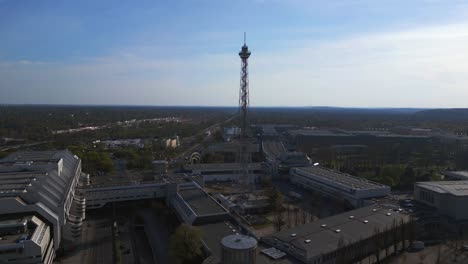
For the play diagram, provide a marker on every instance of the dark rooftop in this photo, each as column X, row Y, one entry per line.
column 353, row 226
column 341, row 178
column 213, row 234
column 200, row 202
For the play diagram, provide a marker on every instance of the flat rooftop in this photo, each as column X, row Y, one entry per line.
column 345, row 179
column 222, row 166
column 353, row 226
column 12, row 230
column 200, row 202
column 213, row 233
column 273, row 147
column 36, row 156
column 462, row 175
column 457, row 188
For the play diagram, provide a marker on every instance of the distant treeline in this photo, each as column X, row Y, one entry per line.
column 455, row 120
column 38, row 122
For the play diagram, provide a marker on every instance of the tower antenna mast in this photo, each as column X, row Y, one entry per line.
column 244, row 155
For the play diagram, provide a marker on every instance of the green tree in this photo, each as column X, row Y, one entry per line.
column 185, row 245
column 275, row 199
column 409, row 177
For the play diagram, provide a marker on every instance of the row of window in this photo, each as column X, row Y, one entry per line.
column 426, row 196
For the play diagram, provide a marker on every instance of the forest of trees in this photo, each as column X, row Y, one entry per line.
column 38, row 122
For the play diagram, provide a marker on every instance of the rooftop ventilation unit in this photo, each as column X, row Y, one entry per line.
column 338, row 231
column 307, row 241
column 323, row 225
column 293, row 235
column 366, row 221
column 351, row 217
column 388, row 214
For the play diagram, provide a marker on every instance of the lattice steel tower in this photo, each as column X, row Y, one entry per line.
column 244, row 155
column 244, row 54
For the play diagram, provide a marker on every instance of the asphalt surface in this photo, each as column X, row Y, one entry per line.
column 96, row 244
column 158, row 228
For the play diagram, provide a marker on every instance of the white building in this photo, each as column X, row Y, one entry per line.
column 231, row 132
column 319, row 242
column 171, row 142
column 450, row 198
column 221, row 172
column 26, row 240
column 137, row 143
column 337, row 184
column 42, row 184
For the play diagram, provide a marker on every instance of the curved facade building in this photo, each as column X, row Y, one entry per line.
column 43, row 184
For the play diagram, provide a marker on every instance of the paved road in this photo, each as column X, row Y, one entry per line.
column 96, row 244
column 190, row 150
column 141, row 247
column 23, row 145
column 158, row 233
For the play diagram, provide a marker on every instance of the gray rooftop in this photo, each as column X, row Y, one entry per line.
column 353, row 225
column 340, row 178
column 12, row 230
column 222, row 166
column 213, row 233
column 457, row 188
column 238, row 241
column 462, row 175
column 273, row 148
column 200, row 202
column 25, row 173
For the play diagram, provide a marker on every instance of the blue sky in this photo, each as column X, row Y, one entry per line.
column 359, row 53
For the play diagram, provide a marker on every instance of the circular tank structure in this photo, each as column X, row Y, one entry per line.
column 238, row 249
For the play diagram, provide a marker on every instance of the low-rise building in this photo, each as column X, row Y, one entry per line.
column 450, row 198
column 343, row 238
column 230, row 133
column 221, row 172
column 455, row 175
column 339, row 185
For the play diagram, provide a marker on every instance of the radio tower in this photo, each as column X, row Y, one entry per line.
column 244, row 54
column 244, row 155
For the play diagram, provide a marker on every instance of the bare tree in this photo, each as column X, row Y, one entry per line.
column 278, row 220
column 403, row 228
column 394, row 235
column 438, row 257
column 296, row 216
column 311, row 214
column 304, row 216
column 376, row 242
column 340, row 251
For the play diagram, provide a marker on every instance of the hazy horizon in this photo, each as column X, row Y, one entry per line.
column 222, row 106
column 357, row 53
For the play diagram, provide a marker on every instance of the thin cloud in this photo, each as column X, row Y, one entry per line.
column 418, row 67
